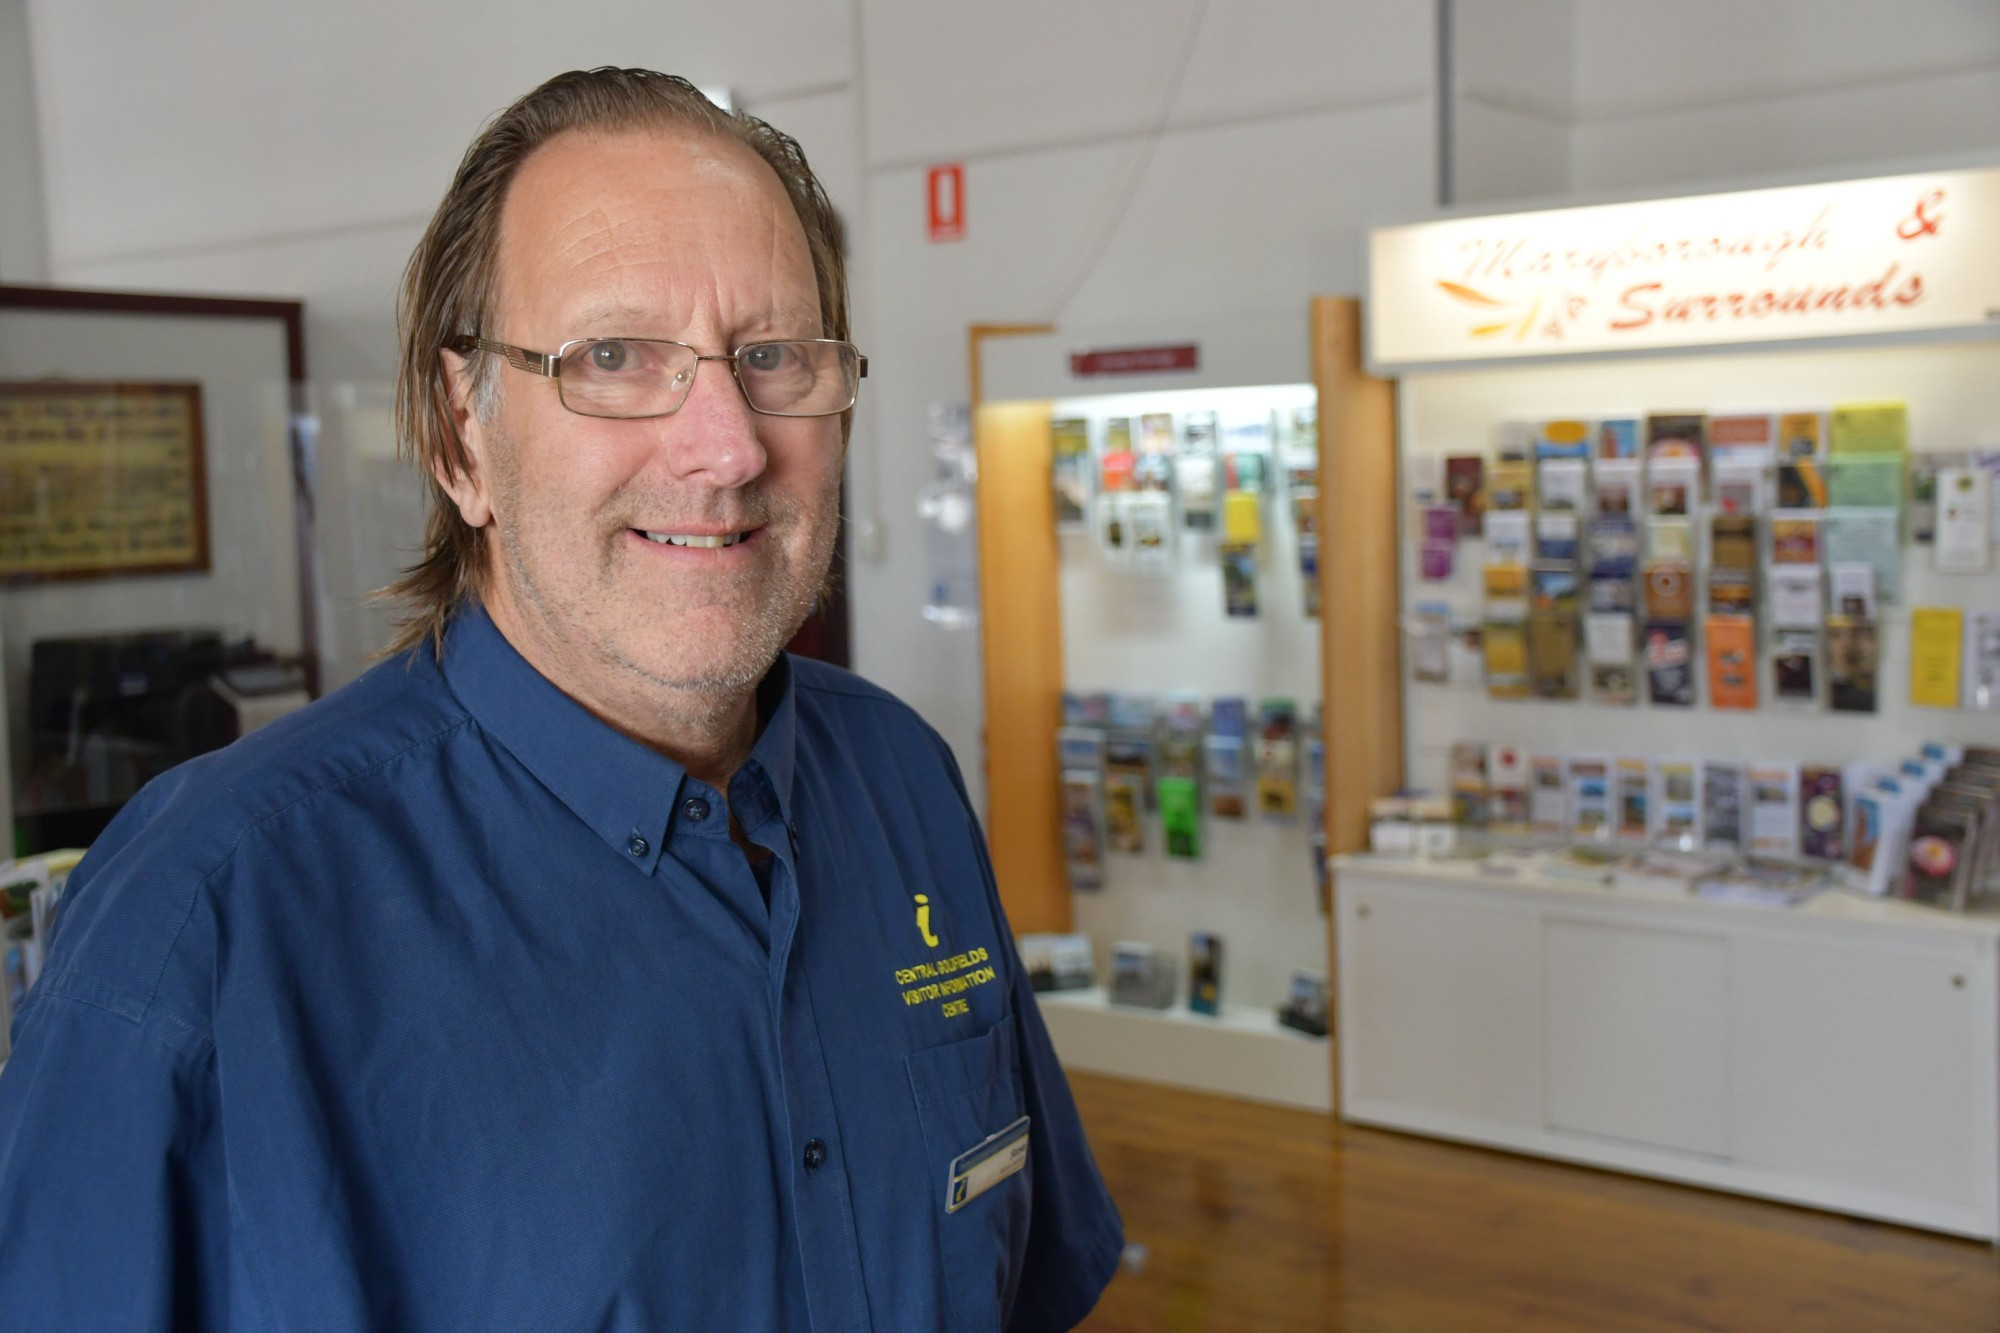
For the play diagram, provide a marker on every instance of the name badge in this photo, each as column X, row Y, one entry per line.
column 977, row 1170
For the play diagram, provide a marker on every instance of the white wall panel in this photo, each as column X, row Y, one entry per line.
column 336, row 114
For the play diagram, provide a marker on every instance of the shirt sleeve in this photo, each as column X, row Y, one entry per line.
column 113, row 1201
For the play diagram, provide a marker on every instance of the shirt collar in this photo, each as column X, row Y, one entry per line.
column 622, row 789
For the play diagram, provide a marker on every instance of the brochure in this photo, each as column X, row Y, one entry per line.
column 1124, row 801
column 1223, row 769
column 1869, row 428
column 1676, row 803
column 1774, row 808
column 1083, row 814
column 1548, row 795
column 1982, row 661
column 1676, row 435
column 1566, row 438
column 1196, row 475
column 1741, row 436
column 1669, row 590
column 1801, row 434
column 1611, row 652
column 1562, row 483
column 1801, row 485
column 1794, row 538
column 1865, row 481
column 1669, row 666
column 1867, row 536
column 1618, row 437
column 1506, row 648
column 1822, row 814
column 1239, row 580
column 1590, row 795
column 1205, row 973
column 1614, row 485
column 1072, row 473
column 1964, row 521
column 1924, row 470
column 1465, row 491
column 1739, row 486
column 1732, row 661
column 1853, row 590
column 1508, row 485
column 1937, row 641
column 1277, row 759
column 1851, row 656
column 1673, row 483
column 1552, row 653
column 1633, row 795
column 1795, row 666
column 1795, row 596
column 1722, row 804
column 1180, row 817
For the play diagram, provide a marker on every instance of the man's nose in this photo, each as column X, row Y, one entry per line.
column 713, row 438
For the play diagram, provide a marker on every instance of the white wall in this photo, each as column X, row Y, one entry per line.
column 23, row 248
column 1706, row 90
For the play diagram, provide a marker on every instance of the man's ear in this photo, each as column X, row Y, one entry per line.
column 467, row 488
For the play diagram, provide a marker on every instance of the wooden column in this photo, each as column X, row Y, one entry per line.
column 1020, row 601
column 1360, row 634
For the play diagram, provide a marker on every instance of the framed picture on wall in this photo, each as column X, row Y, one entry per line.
column 101, row 479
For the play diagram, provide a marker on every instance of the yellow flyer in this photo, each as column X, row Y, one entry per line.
column 1242, row 519
column 1936, row 636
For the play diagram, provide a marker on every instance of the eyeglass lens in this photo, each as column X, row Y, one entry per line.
column 638, row 377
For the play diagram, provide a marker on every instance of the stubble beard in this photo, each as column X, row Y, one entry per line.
column 706, row 694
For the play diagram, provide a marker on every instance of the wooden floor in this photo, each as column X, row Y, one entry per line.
column 1259, row 1218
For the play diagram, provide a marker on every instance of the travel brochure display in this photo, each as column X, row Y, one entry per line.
column 31, row 890
column 1767, row 832
column 1139, row 483
column 1123, row 757
column 1736, row 560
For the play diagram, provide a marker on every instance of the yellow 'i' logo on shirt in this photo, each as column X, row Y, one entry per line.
column 924, row 920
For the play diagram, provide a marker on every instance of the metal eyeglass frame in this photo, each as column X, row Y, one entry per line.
column 549, row 366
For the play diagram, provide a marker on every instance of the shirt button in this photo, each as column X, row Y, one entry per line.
column 637, row 846
column 815, row 1154
column 694, row 809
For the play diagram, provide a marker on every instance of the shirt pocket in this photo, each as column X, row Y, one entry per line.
column 965, row 1092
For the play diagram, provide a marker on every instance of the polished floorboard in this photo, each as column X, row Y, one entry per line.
column 1256, row 1217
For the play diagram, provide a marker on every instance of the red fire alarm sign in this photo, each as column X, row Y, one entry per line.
column 947, row 202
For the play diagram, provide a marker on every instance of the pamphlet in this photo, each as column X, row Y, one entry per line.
column 1180, row 817
column 1924, row 470
column 1552, row 654
column 1869, row 428
column 1670, row 539
column 1795, row 595
column 1506, row 648
column 1739, row 486
column 1633, row 796
column 1676, row 435
column 1982, row 661
column 1223, row 768
column 1556, row 536
column 1124, row 802
column 1277, row 759
column 1853, row 590
column 1611, row 652
column 1794, row 538
column 1083, row 812
column 1196, row 475
column 1801, row 434
column 1676, row 803
column 1742, row 436
column 1822, row 814
column 1507, row 533
column 1851, row 656
column 1937, row 639
column 1156, row 433
column 1566, row 438
column 1732, row 661
column 1673, row 483
column 1801, row 484
column 1669, row 665
column 1548, row 795
column 1964, row 522
column 1722, row 804
column 1151, row 519
column 1465, row 491
column 1072, row 473
column 1774, row 808
column 1618, row 437
column 1508, row 485
column 1507, row 789
column 1562, row 483
column 1795, row 666
column 1590, row 795
column 1865, row 481
column 1867, row 536
column 1669, row 590
column 1205, row 973
column 1614, row 484
column 1513, row 441
column 1239, row 580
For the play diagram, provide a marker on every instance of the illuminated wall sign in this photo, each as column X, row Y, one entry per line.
column 1896, row 255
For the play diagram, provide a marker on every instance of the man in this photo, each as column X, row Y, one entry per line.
column 589, row 965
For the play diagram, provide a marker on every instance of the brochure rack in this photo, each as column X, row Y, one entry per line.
column 1843, row 1052
column 1058, row 615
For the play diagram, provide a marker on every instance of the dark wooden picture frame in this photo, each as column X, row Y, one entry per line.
column 184, row 495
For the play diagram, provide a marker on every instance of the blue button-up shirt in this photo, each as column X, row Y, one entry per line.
column 443, row 1005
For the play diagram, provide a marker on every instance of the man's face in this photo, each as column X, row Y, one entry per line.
column 651, row 234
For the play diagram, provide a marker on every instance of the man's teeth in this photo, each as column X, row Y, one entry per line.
column 706, row 543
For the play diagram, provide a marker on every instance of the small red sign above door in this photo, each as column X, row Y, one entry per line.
column 947, row 202
column 1136, row 360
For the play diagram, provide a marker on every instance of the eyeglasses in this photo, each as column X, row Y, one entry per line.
column 650, row 377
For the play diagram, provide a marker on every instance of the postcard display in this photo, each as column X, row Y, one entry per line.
column 1190, row 751
column 1780, row 559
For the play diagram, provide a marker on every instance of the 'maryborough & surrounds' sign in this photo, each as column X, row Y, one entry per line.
column 1896, row 255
